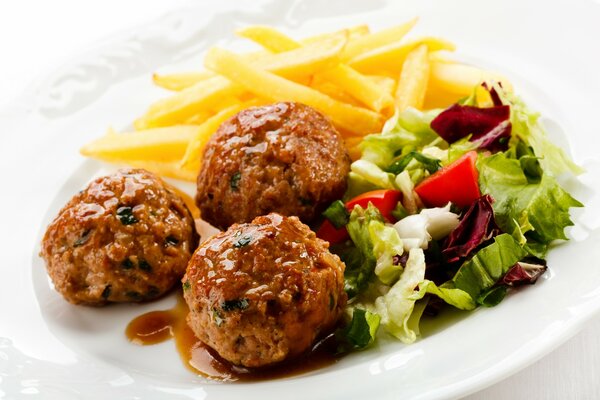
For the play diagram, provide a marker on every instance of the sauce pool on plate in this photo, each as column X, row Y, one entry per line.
column 158, row 326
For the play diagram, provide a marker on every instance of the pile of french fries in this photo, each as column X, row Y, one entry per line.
column 356, row 77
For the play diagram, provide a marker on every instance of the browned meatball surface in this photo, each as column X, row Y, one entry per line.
column 126, row 237
column 284, row 158
column 263, row 291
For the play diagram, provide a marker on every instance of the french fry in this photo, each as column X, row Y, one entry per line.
column 385, row 83
column 271, row 86
column 183, row 80
column 390, row 57
column 333, row 91
column 180, row 81
column 353, row 146
column 361, row 88
column 352, row 82
column 412, row 84
column 161, row 144
column 183, row 105
column 439, row 98
column 268, row 37
column 461, row 78
column 198, row 118
column 304, row 60
column 187, row 103
column 353, row 33
column 375, row 40
column 192, row 158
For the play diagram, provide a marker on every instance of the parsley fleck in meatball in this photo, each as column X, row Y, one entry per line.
column 264, row 291
column 285, row 158
column 127, row 237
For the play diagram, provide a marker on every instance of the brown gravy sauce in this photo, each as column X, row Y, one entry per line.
column 159, row 326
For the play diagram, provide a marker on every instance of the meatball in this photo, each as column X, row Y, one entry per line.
column 285, row 158
column 263, row 291
column 126, row 237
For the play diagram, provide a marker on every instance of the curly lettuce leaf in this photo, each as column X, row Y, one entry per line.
column 451, row 295
column 407, row 129
column 373, row 174
column 361, row 261
column 377, row 246
column 396, row 306
column 488, row 266
column 540, row 209
column 528, row 127
column 386, row 246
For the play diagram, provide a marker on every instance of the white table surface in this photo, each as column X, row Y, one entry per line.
column 38, row 34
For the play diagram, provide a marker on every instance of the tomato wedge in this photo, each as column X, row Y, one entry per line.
column 385, row 200
column 456, row 183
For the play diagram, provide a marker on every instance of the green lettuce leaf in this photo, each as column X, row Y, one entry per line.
column 373, row 174
column 386, row 245
column 540, row 209
column 488, row 265
column 526, row 125
column 361, row 261
column 447, row 292
column 360, row 332
column 396, row 306
column 409, row 129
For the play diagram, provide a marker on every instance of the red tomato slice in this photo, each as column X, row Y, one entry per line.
column 385, row 200
column 456, row 182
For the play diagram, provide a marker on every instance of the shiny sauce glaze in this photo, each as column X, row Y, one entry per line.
column 159, row 326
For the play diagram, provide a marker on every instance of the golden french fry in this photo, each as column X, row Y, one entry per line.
column 160, row 144
column 385, row 83
column 187, row 103
column 375, row 40
column 438, row 98
column 333, row 91
column 353, row 146
column 412, row 84
column 353, row 33
column 271, row 86
column 354, row 153
column 180, row 81
column 268, row 37
column 193, row 153
column 273, row 40
column 198, row 118
column 391, row 57
column 352, row 82
column 361, row 88
column 461, row 78
column 303, row 60
column 353, row 141
column 182, row 105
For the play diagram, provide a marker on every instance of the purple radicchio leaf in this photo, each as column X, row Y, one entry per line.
column 496, row 139
column 489, row 126
column 524, row 273
column 476, row 226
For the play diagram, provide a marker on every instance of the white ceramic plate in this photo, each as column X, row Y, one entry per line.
column 55, row 350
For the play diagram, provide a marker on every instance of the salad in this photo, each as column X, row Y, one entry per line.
column 453, row 208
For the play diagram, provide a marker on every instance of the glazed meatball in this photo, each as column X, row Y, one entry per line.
column 126, row 237
column 263, row 291
column 285, row 158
